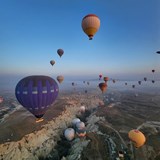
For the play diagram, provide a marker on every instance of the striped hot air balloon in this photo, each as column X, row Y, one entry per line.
column 90, row 25
column 36, row 93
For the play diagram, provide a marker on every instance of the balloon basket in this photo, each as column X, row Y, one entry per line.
column 39, row 120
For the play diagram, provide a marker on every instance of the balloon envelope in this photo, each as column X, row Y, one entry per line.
column 105, row 79
column 74, row 121
column 80, row 125
column 100, row 76
column 36, row 93
column 137, row 137
column 52, row 62
column 60, row 79
column 69, row 134
column 90, row 25
column 103, row 87
column 60, row 52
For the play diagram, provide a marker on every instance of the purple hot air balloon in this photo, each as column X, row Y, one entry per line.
column 36, row 93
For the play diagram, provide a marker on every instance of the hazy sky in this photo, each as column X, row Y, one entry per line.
column 31, row 31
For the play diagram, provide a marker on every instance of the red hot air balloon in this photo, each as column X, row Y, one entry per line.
column 103, row 87
column 105, row 79
column 60, row 52
column 36, row 93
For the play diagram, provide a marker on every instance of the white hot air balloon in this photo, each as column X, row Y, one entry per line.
column 82, row 109
column 74, row 121
column 80, row 125
column 69, row 134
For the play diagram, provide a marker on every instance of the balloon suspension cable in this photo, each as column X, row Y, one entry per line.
column 39, row 120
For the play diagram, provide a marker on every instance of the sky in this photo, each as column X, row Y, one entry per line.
column 31, row 31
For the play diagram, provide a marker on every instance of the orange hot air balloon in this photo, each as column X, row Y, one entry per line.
column 103, row 87
column 90, row 25
column 137, row 137
column 105, row 79
column 60, row 79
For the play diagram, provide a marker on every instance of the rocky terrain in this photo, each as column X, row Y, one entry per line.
column 108, row 117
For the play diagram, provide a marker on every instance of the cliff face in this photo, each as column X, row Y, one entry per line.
column 40, row 143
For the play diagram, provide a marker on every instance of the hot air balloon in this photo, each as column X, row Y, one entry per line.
column 90, row 25
column 83, row 81
column 82, row 109
column 52, row 62
column 74, row 121
column 80, row 125
column 137, row 137
column 158, row 52
column 145, row 79
column 88, row 83
column 72, row 83
column 126, row 83
column 85, row 91
column 60, row 52
column 1, row 99
column 133, row 86
column 114, row 81
column 139, row 82
column 69, row 134
column 153, row 70
column 103, row 87
column 36, row 93
column 105, row 79
column 100, row 76
column 60, row 79
column 153, row 81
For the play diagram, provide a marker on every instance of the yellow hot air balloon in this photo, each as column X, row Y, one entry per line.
column 137, row 137
column 90, row 25
column 60, row 79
